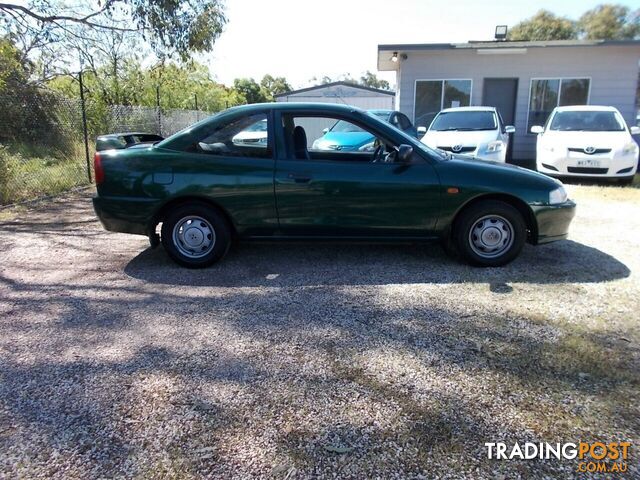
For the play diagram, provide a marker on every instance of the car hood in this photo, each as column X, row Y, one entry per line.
column 455, row 137
column 347, row 139
column 586, row 139
column 503, row 176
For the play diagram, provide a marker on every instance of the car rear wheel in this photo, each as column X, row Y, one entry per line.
column 195, row 235
column 490, row 233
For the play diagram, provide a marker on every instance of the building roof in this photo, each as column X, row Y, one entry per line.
column 336, row 84
column 385, row 51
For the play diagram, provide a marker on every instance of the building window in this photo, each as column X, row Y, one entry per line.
column 434, row 95
column 549, row 93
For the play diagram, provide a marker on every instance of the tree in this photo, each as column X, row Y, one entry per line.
column 610, row 22
column 370, row 79
column 168, row 26
column 274, row 86
column 544, row 25
column 250, row 90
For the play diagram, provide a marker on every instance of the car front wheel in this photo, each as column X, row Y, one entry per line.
column 195, row 235
column 490, row 233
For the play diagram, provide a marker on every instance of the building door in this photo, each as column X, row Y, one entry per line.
column 501, row 94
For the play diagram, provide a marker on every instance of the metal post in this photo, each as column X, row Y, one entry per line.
column 195, row 100
column 84, row 126
column 159, row 111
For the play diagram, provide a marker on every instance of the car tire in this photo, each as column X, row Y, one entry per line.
column 195, row 235
column 490, row 233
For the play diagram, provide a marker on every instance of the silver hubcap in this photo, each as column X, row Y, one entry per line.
column 194, row 237
column 491, row 236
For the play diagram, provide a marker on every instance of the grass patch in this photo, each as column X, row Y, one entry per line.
column 28, row 171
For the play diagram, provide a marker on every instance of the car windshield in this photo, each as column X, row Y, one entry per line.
column 464, row 121
column 586, row 121
column 342, row 126
column 382, row 115
column 260, row 126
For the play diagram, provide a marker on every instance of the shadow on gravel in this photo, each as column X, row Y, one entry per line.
column 278, row 264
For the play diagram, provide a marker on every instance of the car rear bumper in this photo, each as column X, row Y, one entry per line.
column 553, row 221
column 125, row 215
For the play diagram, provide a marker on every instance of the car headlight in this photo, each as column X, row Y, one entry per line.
column 559, row 195
column 493, row 147
column 631, row 148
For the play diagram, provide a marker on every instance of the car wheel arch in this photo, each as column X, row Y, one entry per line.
column 178, row 201
column 517, row 203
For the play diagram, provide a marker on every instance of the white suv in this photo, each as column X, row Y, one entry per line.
column 587, row 141
column 476, row 131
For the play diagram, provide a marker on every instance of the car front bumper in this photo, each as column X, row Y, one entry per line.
column 553, row 221
column 577, row 164
column 125, row 215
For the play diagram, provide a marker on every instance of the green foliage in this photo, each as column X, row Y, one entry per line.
column 370, row 79
column 544, row 25
column 250, row 90
column 28, row 112
column 604, row 22
column 274, row 86
column 28, row 172
column 611, row 22
column 168, row 26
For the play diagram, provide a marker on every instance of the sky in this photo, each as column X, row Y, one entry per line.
column 300, row 39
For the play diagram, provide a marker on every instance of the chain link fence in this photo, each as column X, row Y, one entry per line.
column 43, row 150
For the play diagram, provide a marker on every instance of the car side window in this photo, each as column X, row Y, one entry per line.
column 334, row 139
column 246, row 136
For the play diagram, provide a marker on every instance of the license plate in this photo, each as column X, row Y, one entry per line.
column 588, row 163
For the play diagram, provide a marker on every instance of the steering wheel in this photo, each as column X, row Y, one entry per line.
column 378, row 154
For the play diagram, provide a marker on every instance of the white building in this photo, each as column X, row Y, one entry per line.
column 344, row 93
column 525, row 81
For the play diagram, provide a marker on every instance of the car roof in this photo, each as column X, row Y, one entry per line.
column 590, row 108
column 469, row 109
column 310, row 106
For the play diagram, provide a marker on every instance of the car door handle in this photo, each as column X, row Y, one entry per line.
column 299, row 177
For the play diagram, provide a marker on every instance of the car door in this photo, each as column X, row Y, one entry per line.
column 230, row 162
column 340, row 193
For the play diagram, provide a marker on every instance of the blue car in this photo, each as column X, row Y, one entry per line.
column 345, row 136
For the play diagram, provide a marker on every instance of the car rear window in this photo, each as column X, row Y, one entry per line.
column 464, row 121
column 586, row 121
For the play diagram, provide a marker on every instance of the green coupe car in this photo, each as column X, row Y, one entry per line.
column 205, row 188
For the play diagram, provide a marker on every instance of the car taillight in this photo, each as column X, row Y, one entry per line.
column 97, row 168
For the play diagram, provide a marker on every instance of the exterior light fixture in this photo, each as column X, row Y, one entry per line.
column 501, row 32
column 394, row 57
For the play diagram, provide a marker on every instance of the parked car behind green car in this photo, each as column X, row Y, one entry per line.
column 207, row 189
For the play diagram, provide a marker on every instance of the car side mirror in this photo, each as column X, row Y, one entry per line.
column 405, row 152
column 537, row 129
column 634, row 130
column 509, row 129
column 325, row 130
column 422, row 130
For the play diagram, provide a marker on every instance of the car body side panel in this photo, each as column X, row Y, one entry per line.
column 357, row 198
column 242, row 187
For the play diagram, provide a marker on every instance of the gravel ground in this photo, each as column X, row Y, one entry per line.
column 323, row 361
